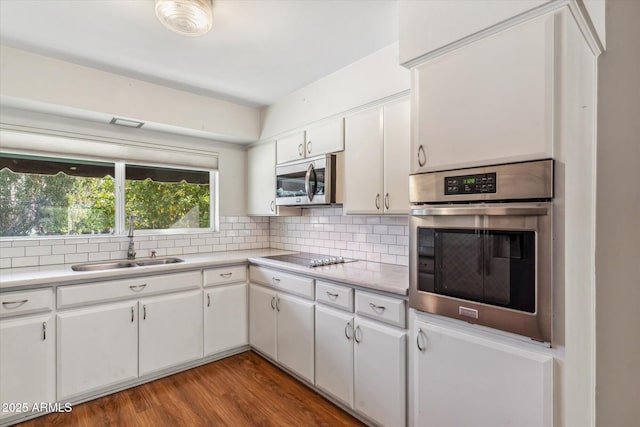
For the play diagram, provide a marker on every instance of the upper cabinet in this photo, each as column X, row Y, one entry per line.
column 426, row 26
column 261, row 170
column 376, row 165
column 322, row 138
column 489, row 102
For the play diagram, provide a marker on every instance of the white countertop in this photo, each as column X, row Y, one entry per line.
column 382, row 277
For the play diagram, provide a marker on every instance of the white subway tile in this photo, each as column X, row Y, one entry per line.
column 373, row 257
column 109, row 247
column 166, row 243
column 37, row 250
column 396, row 229
column 381, row 229
column 151, row 244
column 174, row 251
column 73, row 258
column 25, row 243
column 28, row 261
column 90, row 247
column 52, row 259
column 99, row 256
column 397, row 250
column 63, row 249
column 5, row 244
column 373, row 238
column 388, row 259
column 5, row 262
column 11, row 252
column 388, row 239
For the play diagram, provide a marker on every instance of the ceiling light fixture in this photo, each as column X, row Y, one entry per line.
column 186, row 17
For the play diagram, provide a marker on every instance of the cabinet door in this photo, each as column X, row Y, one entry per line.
column 225, row 318
column 489, row 102
column 396, row 156
column 290, row 147
column 97, row 347
column 170, row 330
column 380, row 372
column 493, row 383
column 334, row 353
column 295, row 341
column 261, row 171
column 324, row 138
column 27, row 361
column 363, row 163
column 262, row 320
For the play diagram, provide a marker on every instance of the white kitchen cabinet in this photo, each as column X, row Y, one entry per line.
column 225, row 318
column 27, row 362
column 426, row 26
column 462, row 379
column 486, row 103
column 380, row 372
column 281, row 327
column 96, row 347
column 334, row 353
column 261, row 186
column 170, row 330
column 377, row 161
column 262, row 320
column 322, row 138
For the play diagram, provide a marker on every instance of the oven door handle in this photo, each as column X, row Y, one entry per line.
column 484, row 210
column 307, row 182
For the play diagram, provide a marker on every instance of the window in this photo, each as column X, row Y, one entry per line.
column 41, row 196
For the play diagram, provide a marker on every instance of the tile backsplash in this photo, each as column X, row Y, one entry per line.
column 319, row 230
column 326, row 231
column 236, row 232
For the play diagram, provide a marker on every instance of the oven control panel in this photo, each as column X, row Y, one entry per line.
column 470, row 184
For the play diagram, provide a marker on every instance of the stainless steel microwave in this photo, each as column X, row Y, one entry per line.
column 310, row 181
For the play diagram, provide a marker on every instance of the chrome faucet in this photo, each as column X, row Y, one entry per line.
column 131, row 253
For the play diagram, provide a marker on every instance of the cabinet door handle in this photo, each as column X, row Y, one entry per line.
column 421, row 347
column 136, row 288
column 308, row 147
column 131, row 314
column 277, row 303
column 144, row 312
column 275, row 280
column 422, row 156
column 14, row 304
column 378, row 201
column 379, row 309
column 332, row 296
column 273, row 206
column 44, row 331
column 273, row 299
column 348, row 327
column 226, row 275
column 386, row 201
column 300, row 150
column 208, row 300
column 357, row 332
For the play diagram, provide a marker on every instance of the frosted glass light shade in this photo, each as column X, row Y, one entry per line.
column 186, row 17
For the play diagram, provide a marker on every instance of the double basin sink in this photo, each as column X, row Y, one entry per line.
column 111, row 265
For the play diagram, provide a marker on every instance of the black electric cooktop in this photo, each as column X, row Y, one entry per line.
column 310, row 260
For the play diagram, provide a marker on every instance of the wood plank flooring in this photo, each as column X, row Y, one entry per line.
column 242, row 390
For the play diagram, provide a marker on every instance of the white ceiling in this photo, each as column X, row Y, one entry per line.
column 257, row 52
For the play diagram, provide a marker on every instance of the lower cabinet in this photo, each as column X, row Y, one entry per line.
column 225, row 318
column 362, row 363
column 27, row 363
column 461, row 379
column 107, row 344
column 281, row 326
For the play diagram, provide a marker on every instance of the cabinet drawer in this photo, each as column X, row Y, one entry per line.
column 224, row 275
column 334, row 295
column 386, row 309
column 26, row 302
column 297, row 285
column 70, row 296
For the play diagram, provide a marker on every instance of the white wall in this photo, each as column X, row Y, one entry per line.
column 618, row 212
column 369, row 79
column 42, row 80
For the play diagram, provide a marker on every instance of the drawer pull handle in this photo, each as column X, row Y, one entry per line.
column 144, row 312
column 14, row 304
column 275, row 280
column 332, row 296
column 379, row 309
column 226, row 275
column 273, row 300
column 357, row 333
column 136, row 288
column 348, row 327
column 131, row 314
column 421, row 347
column 208, row 300
column 300, row 151
column 44, row 331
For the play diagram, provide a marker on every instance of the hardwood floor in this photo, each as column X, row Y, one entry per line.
column 242, row 390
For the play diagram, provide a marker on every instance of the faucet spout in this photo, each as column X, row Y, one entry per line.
column 131, row 252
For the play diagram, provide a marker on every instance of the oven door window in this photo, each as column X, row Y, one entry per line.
column 487, row 266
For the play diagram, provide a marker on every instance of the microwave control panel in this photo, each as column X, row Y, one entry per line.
column 470, row 184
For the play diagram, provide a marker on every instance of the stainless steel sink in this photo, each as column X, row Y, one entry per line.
column 112, row 265
column 107, row 265
column 158, row 261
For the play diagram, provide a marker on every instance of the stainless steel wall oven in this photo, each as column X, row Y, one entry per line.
column 481, row 246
